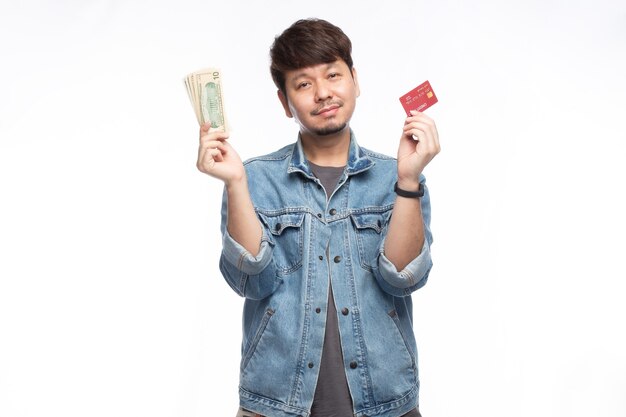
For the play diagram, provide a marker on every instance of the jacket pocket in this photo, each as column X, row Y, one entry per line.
column 368, row 229
column 287, row 234
column 394, row 316
column 257, row 337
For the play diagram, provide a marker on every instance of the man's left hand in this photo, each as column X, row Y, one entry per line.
column 418, row 146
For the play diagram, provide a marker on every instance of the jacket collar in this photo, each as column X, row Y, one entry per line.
column 358, row 161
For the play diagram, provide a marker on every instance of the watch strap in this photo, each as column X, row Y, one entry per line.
column 409, row 194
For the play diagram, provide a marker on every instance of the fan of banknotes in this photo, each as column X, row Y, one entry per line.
column 205, row 91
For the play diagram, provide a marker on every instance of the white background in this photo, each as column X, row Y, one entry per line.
column 111, row 303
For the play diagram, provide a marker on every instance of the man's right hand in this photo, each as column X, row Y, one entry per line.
column 217, row 158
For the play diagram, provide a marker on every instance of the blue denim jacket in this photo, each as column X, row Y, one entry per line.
column 286, row 286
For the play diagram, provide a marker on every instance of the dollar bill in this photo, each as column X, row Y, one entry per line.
column 205, row 91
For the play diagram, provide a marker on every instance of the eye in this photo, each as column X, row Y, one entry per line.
column 333, row 75
column 303, row 84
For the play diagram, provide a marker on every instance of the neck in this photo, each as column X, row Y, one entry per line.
column 329, row 150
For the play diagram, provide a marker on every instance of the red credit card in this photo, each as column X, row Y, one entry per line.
column 420, row 98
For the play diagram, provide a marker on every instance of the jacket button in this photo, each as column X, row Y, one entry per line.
column 337, row 259
column 319, row 215
column 321, row 258
column 344, row 311
column 333, row 212
column 278, row 226
column 318, row 310
column 310, row 364
column 353, row 365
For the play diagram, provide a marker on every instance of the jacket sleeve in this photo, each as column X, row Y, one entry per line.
column 415, row 274
column 249, row 276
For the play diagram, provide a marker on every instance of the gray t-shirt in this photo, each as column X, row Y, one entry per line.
column 332, row 395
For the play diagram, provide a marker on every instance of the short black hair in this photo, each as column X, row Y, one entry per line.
column 305, row 43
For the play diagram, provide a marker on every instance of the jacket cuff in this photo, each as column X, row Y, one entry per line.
column 243, row 260
column 412, row 277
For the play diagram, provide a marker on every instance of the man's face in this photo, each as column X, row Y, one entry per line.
column 321, row 98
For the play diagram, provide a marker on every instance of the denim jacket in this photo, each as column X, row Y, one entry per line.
column 286, row 286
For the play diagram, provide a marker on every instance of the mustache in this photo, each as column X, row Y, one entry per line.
column 327, row 104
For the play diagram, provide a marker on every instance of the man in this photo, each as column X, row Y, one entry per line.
column 324, row 251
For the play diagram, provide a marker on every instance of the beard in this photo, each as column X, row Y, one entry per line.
column 330, row 130
column 333, row 126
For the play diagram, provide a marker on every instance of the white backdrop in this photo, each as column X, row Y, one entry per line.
column 111, row 302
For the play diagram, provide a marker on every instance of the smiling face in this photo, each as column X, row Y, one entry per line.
column 321, row 98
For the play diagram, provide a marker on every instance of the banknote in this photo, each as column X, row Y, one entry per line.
column 206, row 94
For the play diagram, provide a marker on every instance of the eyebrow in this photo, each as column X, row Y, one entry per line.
column 305, row 74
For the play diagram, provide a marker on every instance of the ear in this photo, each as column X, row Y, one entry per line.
column 356, row 82
column 285, row 103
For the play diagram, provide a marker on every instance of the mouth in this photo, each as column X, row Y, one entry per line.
column 327, row 110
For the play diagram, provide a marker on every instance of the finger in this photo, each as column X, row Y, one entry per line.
column 423, row 119
column 205, row 130
column 222, row 146
column 422, row 116
column 214, row 145
column 418, row 125
column 214, row 135
column 426, row 144
column 207, row 143
column 212, row 140
column 417, row 132
column 417, row 136
column 429, row 126
column 216, row 154
column 207, row 160
column 428, row 129
column 205, row 127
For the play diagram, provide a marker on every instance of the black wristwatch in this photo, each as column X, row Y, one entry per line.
column 409, row 194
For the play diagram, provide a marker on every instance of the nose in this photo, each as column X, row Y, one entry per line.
column 323, row 91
